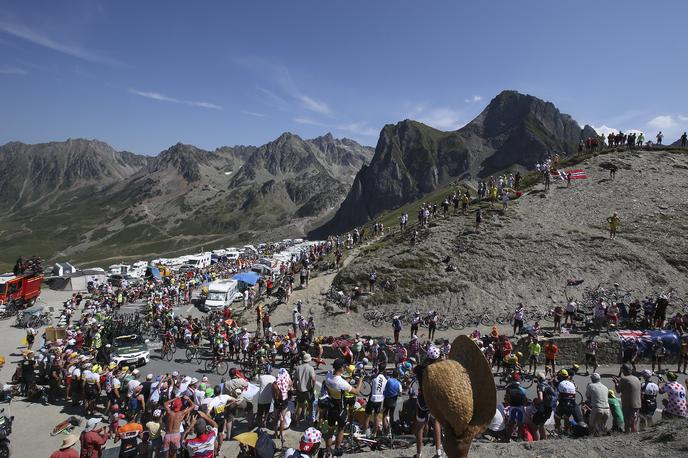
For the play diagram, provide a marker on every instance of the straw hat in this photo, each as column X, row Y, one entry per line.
column 68, row 441
column 460, row 391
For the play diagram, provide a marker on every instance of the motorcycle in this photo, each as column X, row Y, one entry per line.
column 5, row 431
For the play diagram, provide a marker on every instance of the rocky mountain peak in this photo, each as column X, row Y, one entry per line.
column 412, row 159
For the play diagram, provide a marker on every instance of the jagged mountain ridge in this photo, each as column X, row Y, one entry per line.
column 412, row 159
column 33, row 174
column 89, row 197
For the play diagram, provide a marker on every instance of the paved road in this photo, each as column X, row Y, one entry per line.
column 33, row 422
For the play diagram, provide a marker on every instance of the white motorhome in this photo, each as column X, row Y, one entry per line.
column 222, row 292
column 138, row 269
column 199, row 260
column 119, row 269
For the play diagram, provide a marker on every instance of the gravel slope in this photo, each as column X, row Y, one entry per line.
column 526, row 253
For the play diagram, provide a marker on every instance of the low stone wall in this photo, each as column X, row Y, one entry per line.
column 571, row 350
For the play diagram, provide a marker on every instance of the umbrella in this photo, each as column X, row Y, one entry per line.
column 249, row 439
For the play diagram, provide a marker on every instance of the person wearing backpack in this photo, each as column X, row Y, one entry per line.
column 516, row 397
column 309, row 446
column 543, row 405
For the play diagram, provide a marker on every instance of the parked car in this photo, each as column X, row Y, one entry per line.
column 130, row 350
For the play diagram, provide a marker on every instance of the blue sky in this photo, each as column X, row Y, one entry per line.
column 145, row 75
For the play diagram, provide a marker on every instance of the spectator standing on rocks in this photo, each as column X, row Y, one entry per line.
column 372, row 280
column 519, row 316
column 570, row 312
column 597, row 395
column 614, row 222
column 660, row 136
column 478, row 219
column 396, row 327
column 684, row 140
column 629, row 387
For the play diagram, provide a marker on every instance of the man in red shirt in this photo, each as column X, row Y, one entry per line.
column 92, row 439
column 67, row 450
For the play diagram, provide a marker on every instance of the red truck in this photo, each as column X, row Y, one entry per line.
column 19, row 290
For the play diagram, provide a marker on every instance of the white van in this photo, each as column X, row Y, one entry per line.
column 222, row 292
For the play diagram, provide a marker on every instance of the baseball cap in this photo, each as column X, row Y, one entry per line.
column 310, row 438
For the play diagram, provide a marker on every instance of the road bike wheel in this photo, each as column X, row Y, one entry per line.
column 503, row 318
column 402, row 441
column 169, row 355
column 222, row 368
column 209, row 365
column 377, row 322
column 580, row 399
column 443, row 325
column 190, row 354
column 487, row 321
column 458, row 324
column 365, row 389
column 527, row 381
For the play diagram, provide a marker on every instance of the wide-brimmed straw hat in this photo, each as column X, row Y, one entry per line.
column 460, row 391
column 68, row 441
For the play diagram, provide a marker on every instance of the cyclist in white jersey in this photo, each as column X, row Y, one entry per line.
column 374, row 404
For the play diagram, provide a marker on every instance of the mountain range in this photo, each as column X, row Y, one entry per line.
column 82, row 200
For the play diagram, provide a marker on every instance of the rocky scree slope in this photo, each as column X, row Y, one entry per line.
column 527, row 253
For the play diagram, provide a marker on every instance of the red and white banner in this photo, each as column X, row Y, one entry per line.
column 576, row 174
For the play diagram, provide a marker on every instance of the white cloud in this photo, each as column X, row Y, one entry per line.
column 359, row 128
column 12, row 71
column 605, row 130
column 37, row 38
column 683, row 118
column 309, row 121
column 474, row 99
column 442, row 118
column 662, row 122
column 315, row 105
column 253, row 113
column 164, row 98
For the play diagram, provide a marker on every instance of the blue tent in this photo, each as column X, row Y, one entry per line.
column 250, row 278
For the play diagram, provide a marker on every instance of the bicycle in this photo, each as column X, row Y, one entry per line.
column 167, row 351
column 216, row 364
column 193, row 352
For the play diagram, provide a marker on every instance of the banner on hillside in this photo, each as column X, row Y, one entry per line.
column 646, row 338
column 576, row 174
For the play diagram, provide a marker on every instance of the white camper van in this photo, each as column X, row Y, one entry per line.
column 221, row 293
